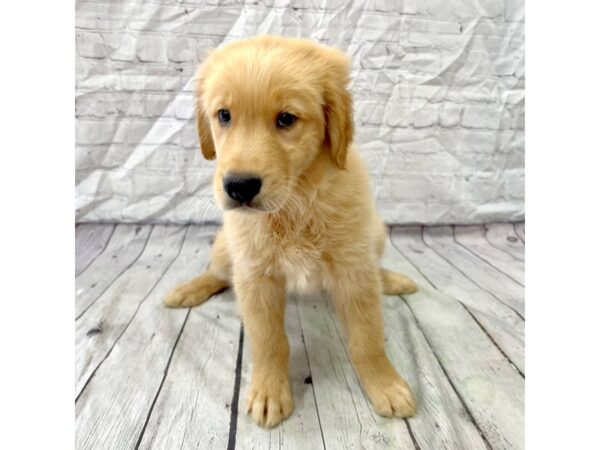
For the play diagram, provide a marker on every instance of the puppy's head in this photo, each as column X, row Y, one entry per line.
column 266, row 109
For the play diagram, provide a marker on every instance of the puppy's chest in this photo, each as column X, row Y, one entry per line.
column 295, row 255
column 302, row 266
column 291, row 250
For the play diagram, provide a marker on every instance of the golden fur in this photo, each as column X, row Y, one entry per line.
column 312, row 227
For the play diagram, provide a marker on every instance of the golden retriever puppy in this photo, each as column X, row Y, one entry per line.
column 276, row 114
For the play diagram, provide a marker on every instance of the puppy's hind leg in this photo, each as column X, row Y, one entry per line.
column 395, row 283
column 195, row 291
column 213, row 281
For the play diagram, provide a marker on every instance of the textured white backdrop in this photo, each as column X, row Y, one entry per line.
column 438, row 98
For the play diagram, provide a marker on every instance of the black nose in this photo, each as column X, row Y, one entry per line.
column 242, row 188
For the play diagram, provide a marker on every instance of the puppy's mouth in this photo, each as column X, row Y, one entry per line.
column 251, row 207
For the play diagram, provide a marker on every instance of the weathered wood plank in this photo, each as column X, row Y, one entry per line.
column 119, row 399
column 489, row 386
column 90, row 241
column 503, row 237
column 504, row 325
column 472, row 237
column 497, row 284
column 441, row 421
column 347, row 419
column 124, row 248
column 104, row 322
column 301, row 430
column 520, row 231
column 194, row 406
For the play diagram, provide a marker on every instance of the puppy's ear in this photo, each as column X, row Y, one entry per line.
column 207, row 145
column 339, row 125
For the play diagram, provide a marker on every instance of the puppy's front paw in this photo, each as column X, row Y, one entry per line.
column 389, row 393
column 393, row 399
column 270, row 401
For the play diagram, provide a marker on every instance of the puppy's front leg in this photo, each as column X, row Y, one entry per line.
column 356, row 298
column 262, row 301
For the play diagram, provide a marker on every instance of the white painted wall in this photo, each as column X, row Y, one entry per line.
column 438, row 96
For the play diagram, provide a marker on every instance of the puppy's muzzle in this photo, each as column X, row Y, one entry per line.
column 242, row 187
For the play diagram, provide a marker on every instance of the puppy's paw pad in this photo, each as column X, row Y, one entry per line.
column 270, row 404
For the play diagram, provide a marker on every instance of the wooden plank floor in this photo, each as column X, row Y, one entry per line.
column 152, row 377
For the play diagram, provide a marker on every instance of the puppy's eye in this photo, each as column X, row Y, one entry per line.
column 285, row 120
column 224, row 116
